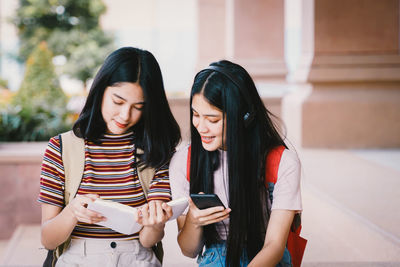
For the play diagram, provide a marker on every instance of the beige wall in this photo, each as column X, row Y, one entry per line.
column 20, row 174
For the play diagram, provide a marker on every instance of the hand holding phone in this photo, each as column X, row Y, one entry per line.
column 206, row 209
column 204, row 201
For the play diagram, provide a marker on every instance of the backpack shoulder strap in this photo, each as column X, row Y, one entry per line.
column 272, row 164
column 188, row 164
column 145, row 174
column 73, row 157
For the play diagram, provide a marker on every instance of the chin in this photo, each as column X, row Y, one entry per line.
column 210, row 147
column 117, row 131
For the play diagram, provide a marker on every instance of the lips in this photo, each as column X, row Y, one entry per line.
column 121, row 125
column 207, row 139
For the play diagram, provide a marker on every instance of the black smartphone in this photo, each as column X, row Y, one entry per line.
column 204, row 201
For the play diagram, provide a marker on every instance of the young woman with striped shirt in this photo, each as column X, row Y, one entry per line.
column 126, row 110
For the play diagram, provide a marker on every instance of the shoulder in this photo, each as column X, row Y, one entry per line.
column 54, row 144
column 52, row 158
column 287, row 194
column 290, row 157
column 180, row 157
column 290, row 166
column 178, row 173
column 53, row 153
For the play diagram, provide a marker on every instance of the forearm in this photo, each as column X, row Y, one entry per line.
column 150, row 235
column 190, row 239
column 275, row 239
column 269, row 255
column 56, row 230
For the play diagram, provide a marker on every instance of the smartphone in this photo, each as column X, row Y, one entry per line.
column 204, row 201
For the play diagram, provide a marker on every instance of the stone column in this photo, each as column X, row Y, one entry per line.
column 352, row 62
column 258, row 38
column 211, row 31
column 250, row 33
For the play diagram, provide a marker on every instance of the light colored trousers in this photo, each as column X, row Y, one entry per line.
column 92, row 252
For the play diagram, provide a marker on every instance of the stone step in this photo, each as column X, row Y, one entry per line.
column 351, row 264
column 3, row 245
column 24, row 247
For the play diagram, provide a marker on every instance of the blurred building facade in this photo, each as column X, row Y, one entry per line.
column 346, row 83
column 349, row 57
column 346, row 53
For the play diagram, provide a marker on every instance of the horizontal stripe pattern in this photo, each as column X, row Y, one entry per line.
column 109, row 173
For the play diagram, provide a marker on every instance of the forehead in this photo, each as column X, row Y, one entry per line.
column 202, row 106
column 126, row 90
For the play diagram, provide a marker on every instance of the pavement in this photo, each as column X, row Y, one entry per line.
column 351, row 214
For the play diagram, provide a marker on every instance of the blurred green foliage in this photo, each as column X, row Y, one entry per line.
column 71, row 29
column 38, row 110
column 40, row 86
column 3, row 83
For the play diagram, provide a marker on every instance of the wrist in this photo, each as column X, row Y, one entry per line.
column 193, row 225
column 70, row 213
column 157, row 227
column 191, row 222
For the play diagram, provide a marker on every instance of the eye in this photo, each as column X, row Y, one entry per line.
column 139, row 107
column 214, row 121
column 117, row 102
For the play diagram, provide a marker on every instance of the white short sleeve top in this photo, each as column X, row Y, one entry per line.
column 286, row 195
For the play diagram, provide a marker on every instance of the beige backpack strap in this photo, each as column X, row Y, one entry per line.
column 145, row 174
column 73, row 157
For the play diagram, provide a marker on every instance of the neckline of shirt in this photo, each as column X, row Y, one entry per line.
column 118, row 136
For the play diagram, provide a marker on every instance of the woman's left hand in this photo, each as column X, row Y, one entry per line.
column 155, row 214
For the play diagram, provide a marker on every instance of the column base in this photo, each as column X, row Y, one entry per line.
column 264, row 69
column 352, row 115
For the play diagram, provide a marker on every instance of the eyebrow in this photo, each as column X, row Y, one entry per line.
column 208, row 115
column 120, row 97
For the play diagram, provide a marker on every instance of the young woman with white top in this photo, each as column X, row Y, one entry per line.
column 231, row 136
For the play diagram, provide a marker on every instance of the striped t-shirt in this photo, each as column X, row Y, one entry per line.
column 108, row 172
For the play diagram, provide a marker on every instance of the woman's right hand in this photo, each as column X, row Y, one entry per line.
column 203, row 217
column 78, row 207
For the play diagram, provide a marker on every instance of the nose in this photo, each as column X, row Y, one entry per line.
column 125, row 113
column 201, row 126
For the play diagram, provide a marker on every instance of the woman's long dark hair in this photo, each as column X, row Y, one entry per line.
column 157, row 132
column 247, row 144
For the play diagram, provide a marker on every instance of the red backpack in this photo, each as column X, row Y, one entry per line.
column 295, row 243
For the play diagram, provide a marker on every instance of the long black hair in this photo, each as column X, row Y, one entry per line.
column 157, row 132
column 250, row 135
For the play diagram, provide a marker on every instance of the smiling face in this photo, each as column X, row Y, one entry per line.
column 122, row 106
column 208, row 120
